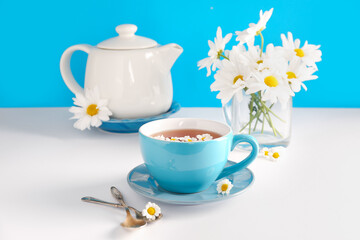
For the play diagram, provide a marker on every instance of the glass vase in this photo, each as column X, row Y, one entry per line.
column 269, row 123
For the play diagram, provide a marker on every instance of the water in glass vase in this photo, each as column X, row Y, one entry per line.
column 269, row 123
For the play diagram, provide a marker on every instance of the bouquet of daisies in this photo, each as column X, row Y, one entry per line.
column 269, row 76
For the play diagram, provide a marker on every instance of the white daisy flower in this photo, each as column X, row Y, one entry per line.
column 297, row 73
column 256, row 60
column 254, row 29
column 309, row 53
column 160, row 137
column 216, row 49
column 272, row 85
column 91, row 110
column 232, row 76
column 174, row 139
column 188, row 139
column 224, row 187
column 204, row 137
column 273, row 154
column 151, row 211
column 265, row 152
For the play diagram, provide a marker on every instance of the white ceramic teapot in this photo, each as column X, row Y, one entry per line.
column 131, row 72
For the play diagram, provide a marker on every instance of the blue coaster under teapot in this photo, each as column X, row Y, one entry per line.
column 144, row 184
column 133, row 125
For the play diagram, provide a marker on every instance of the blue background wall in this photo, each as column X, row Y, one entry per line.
column 33, row 35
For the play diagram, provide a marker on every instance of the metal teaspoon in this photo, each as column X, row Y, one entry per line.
column 130, row 221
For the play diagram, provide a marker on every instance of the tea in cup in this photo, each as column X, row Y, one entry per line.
column 181, row 160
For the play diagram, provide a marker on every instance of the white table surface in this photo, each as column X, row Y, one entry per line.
column 46, row 166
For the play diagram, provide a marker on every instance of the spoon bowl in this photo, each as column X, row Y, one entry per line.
column 131, row 222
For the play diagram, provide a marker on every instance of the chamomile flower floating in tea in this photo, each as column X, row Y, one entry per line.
column 216, row 50
column 90, row 110
column 198, row 138
column 160, row 137
column 204, row 137
column 224, row 187
column 151, row 211
column 265, row 77
column 188, row 139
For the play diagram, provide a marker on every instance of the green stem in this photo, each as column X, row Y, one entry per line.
column 222, row 55
column 257, row 116
column 244, row 127
column 265, row 112
column 271, row 124
column 263, row 124
column 268, row 109
column 251, row 110
column 262, row 44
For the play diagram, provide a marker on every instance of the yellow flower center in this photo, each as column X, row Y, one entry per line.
column 260, row 61
column 189, row 140
column 203, row 138
column 151, row 210
column 258, row 32
column 237, row 78
column 276, row 155
column 266, row 153
column 299, row 52
column 271, row 81
column 219, row 54
column 224, row 187
column 173, row 139
column 92, row 110
column 291, row 75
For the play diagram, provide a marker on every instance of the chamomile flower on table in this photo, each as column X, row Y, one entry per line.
column 90, row 109
column 264, row 152
column 217, row 49
column 224, row 187
column 273, row 154
column 254, row 29
column 309, row 53
column 151, row 211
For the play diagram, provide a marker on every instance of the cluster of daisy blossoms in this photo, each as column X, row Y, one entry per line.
column 269, row 76
column 199, row 138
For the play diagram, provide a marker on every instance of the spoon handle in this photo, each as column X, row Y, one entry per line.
column 119, row 197
column 98, row 201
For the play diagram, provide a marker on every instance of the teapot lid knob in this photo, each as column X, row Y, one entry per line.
column 127, row 39
column 126, row 30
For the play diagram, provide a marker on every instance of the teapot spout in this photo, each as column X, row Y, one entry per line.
column 169, row 53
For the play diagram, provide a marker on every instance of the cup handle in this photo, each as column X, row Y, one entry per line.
column 66, row 70
column 244, row 163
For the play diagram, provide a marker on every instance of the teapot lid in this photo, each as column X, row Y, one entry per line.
column 127, row 39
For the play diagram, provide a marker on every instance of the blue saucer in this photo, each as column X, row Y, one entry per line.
column 141, row 182
column 133, row 125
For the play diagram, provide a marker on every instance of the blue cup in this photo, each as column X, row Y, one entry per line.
column 189, row 167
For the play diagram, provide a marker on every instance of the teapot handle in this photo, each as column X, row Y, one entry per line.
column 66, row 70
